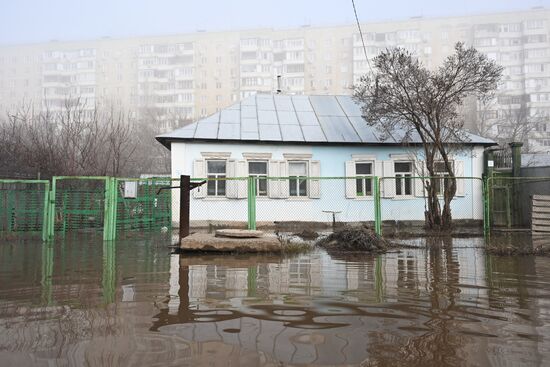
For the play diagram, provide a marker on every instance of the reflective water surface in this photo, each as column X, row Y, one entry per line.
column 133, row 303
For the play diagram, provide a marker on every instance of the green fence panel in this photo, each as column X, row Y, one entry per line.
column 142, row 205
column 24, row 208
column 79, row 204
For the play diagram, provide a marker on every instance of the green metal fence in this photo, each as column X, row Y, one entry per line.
column 509, row 199
column 142, row 204
column 23, row 207
column 112, row 206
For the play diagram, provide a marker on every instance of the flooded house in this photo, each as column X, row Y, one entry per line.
column 313, row 158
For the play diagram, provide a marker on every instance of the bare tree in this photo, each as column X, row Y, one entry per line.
column 508, row 123
column 404, row 98
column 75, row 141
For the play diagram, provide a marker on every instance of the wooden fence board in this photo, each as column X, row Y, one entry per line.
column 540, row 214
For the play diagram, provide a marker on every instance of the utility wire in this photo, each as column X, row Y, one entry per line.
column 361, row 34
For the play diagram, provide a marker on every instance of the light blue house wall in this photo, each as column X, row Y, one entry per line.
column 332, row 160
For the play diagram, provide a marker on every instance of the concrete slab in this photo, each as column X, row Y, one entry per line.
column 239, row 233
column 205, row 242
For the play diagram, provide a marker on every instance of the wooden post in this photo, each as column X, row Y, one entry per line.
column 516, row 172
column 185, row 191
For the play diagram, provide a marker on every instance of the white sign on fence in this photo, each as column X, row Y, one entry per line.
column 130, row 189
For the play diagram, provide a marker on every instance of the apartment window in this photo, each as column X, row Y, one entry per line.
column 216, row 173
column 534, row 24
column 258, row 170
column 403, row 181
column 443, row 180
column 363, row 183
column 297, row 182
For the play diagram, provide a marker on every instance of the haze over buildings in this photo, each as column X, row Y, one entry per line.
column 173, row 79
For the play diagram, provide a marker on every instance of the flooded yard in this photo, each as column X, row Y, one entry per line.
column 80, row 301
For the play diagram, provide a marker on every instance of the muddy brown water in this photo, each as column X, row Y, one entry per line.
column 82, row 302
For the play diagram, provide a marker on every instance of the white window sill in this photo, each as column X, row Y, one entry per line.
column 405, row 197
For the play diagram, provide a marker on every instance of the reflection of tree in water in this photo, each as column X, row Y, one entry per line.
column 439, row 344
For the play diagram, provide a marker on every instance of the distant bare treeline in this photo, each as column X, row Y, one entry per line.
column 78, row 141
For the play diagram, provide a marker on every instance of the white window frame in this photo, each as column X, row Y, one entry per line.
column 364, row 178
column 258, row 177
column 216, row 182
column 443, row 176
column 297, row 179
column 403, row 178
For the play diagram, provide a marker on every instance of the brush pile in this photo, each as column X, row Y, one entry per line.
column 348, row 239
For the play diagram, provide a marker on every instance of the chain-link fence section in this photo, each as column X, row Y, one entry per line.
column 404, row 201
column 220, row 201
column 316, row 201
column 111, row 205
column 23, row 208
column 519, row 201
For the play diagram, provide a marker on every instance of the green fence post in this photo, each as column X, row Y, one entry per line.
column 251, row 203
column 46, row 212
column 107, row 210
column 51, row 216
column 115, row 206
column 486, row 206
column 377, row 207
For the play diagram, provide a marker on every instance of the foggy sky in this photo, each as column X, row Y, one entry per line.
column 23, row 21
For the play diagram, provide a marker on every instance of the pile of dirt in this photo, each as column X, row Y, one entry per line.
column 354, row 239
column 307, row 234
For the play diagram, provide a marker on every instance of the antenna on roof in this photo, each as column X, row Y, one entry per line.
column 278, row 84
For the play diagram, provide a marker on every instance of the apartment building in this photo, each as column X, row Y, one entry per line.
column 174, row 79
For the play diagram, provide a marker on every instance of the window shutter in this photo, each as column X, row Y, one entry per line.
column 388, row 183
column 283, row 184
column 242, row 184
column 231, row 185
column 315, row 185
column 420, row 171
column 199, row 171
column 273, row 185
column 351, row 185
column 459, row 172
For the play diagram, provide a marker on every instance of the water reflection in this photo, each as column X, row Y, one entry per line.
column 84, row 302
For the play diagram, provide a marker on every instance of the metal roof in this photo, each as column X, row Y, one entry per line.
column 277, row 118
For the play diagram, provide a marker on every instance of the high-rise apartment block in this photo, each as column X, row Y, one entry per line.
column 173, row 79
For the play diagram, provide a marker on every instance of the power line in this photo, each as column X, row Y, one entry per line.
column 361, row 34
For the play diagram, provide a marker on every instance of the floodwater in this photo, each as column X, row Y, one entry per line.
column 82, row 302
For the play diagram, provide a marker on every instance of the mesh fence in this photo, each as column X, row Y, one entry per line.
column 79, row 204
column 519, row 201
column 84, row 203
column 219, row 201
column 404, row 200
column 144, row 204
column 318, row 201
column 23, row 207
column 327, row 200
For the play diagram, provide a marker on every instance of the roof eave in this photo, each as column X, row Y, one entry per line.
column 167, row 141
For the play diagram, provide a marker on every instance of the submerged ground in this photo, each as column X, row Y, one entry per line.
column 80, row 301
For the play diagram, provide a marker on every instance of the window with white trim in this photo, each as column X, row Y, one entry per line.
column 258, row 170
column 297, row 182
column 443, row 181
column 403, row 181
column 364, row 173
column 216, row 171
